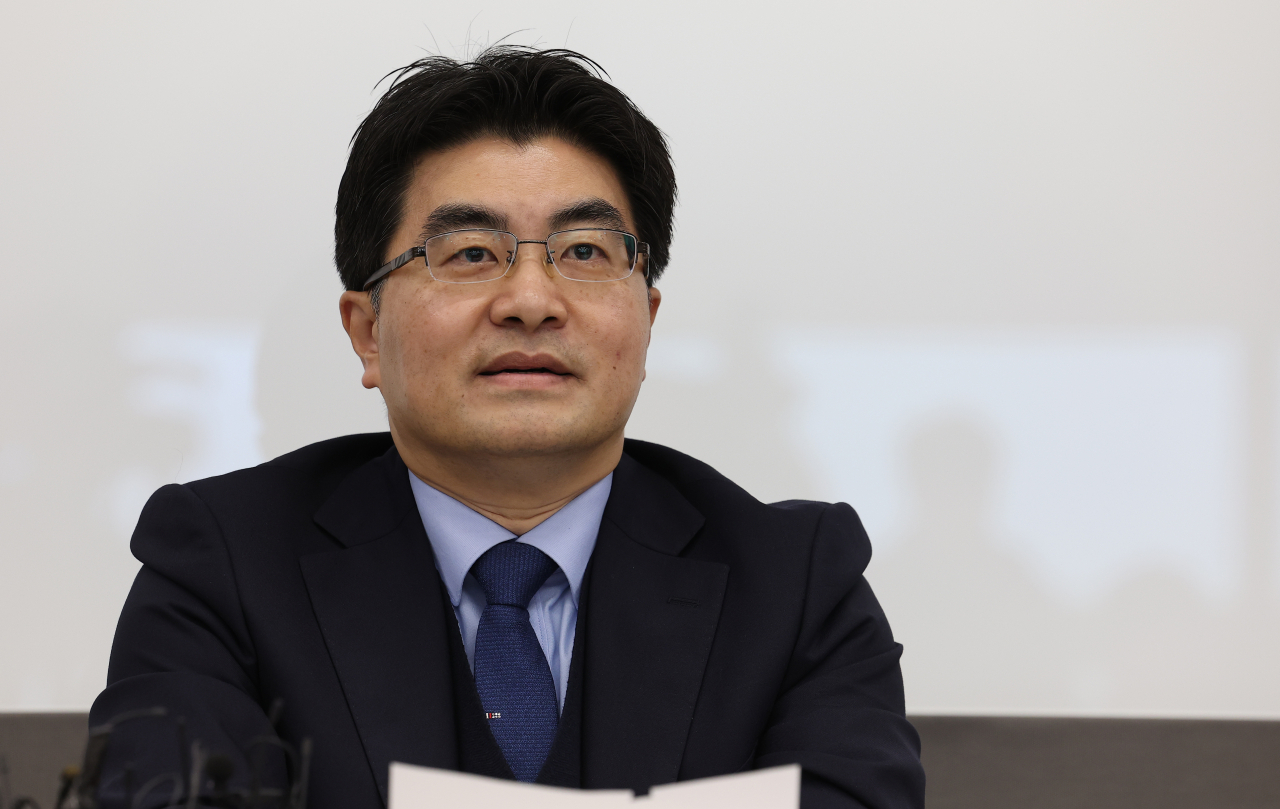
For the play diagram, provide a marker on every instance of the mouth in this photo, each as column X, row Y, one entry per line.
column 518, row 364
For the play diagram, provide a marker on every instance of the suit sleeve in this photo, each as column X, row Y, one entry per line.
column 841, row 713
column 182, row 644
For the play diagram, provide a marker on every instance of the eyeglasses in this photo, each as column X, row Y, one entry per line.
column 477, row 255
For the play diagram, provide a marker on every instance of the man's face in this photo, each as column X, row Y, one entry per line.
column 529, row 364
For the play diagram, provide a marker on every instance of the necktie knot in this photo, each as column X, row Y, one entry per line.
column 511, row 572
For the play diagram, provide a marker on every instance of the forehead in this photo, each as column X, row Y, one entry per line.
column 526, row 182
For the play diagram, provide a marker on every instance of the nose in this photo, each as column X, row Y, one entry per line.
column 530, row 296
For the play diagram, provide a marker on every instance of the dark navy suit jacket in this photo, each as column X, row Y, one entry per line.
column 721, row 634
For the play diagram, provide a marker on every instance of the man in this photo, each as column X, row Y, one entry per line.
column 503, row 584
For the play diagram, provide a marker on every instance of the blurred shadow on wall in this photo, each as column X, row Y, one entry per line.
column 308, row 377
column 1167, row 644
column 1001, row 638
column 986, row 623
column 715, row 399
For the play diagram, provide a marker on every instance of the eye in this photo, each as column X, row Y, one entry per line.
column 475, row 255
column 584, row 252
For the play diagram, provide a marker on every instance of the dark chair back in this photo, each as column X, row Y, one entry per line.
column 974, row 762
column 37, row 747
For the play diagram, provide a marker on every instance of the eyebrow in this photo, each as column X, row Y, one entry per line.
column 459, row 215
column 594, row 211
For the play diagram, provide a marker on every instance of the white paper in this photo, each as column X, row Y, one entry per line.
column 426, row 788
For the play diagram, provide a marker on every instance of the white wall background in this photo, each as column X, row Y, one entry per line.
column 1003, row 275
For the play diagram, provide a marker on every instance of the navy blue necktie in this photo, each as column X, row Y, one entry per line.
column 512, row 674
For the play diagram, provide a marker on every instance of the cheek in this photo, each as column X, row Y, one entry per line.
column 425, row 340
column 627, row 346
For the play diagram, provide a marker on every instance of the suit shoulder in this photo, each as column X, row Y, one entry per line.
column 712, row 492
column 316, row 468
column 347, row 451
column 671, row 464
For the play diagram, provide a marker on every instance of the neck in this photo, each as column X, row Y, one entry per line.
column 518, row 493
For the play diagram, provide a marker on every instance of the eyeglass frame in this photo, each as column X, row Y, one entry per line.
column 642, row 249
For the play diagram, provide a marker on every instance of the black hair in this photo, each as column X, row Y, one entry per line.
column 514, row 93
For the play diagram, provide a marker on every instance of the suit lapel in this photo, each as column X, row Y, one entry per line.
column 380, row 606
column 650, row 619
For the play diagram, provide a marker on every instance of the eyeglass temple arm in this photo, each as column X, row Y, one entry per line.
column 394, row 264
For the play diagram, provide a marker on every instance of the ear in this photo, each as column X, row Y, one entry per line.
column 361, row 325
column 655, row 300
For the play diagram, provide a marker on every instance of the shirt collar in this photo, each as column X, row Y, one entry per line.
column 460, row 535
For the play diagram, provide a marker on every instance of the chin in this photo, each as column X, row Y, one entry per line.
column 514, row 435
column 518, row 443
column 517, row 432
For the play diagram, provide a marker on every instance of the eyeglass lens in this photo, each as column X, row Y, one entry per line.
column 472, row 256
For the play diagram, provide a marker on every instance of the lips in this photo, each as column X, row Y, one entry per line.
column 516, row 362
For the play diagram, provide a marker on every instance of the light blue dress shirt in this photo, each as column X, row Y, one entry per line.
column 459, row 536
